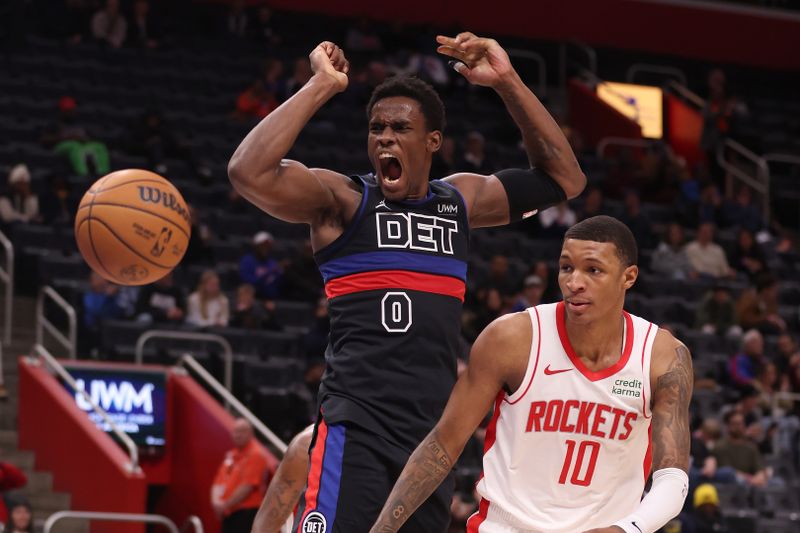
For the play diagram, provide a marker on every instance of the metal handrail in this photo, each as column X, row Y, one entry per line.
column 70, row 341
column 133, row 452
column 636, row 68
column 7, row 278
column 590, row 52
column 563, row 59
column 194, row 522
column 277, row 445
column 189, row 336
column 776, row 157
column 605, row 142
column 111, row 517
column 541, row 91
column 759, row 183
column 687, row 93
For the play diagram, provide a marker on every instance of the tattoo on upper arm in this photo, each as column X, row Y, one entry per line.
column 426, row 469
column 671, row 395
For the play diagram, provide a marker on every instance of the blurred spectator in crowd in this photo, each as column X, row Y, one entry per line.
column 709, row 208
column 300, row 76
column 11, row 478
column 161, row 301
column 747, row 256
column 301, row 278
column 249, row 313
column 716, row 313
column 315, row 343
column 592, row 204
column 260, row 270
column 745, row 365
column 152, row 137
column 550, row 291
column 19, row 204
column 670, row 259
column 144, row 30
column 86, row 157
column 639, row 224
column 489, row 309
column 265, row 30
column 532, row 290
column 741, row 212
column 237, row 22
column 428, row 67
column 768, row 385
column 719, row 118
column 758, row 308
column 787, row 355
column 20, row 516
column 707, row 257
column 704, row 467
column 556, row 220
column 241, row 480
column 71, row 22
column 444, row 161
column 109, row 25
column 362, row 37
column 499, row 277
column 737, row 451
column 474, row 158
column 264, row 95
column 57, row 204
column 199, row 251
column 98, row 303
column 705, row 515
column 127, row 299
column 207, row 305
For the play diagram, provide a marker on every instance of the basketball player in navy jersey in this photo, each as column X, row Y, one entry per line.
column 392, row 250
column 588, row 399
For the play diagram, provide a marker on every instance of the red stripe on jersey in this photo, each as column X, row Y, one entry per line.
column 536, row 364
column 561, row 325
column 648, row 455
column 315, row 471
column 475, row 521
column 644, row 392
column 396, row 279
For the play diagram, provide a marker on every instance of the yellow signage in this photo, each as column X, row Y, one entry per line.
column 640, row 103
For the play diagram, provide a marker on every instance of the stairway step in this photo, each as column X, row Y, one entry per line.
column 8, row 439
column 67, row 525
column 22, row 459
column 39, row 482
column 49, row 501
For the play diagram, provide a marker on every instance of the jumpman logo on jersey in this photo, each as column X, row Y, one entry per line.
column 382, row 203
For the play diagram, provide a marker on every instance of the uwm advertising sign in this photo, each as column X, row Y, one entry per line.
column 135, row 400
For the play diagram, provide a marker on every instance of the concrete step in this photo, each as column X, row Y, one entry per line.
column 39, row 482
column 49, row 501
column 8, row 439
column 67, row 525
column 24, row 460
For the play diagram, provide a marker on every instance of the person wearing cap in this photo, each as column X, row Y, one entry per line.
column 705, row 516
column 260, row 270
column 531, row 296
column 19, row 204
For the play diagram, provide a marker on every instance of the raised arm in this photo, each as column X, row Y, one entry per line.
column 284, row 188
column 285, row 488
column 499, row 356
column 554, row 175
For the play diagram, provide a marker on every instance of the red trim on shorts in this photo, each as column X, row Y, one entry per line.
column 475, row 521
column 593, row 375
column 396, row 279
column 315, row 471
column 536, row 364
column 644, row 392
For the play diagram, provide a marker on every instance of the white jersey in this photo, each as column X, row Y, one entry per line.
column 570, row 450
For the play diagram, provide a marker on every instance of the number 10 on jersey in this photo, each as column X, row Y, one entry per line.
column 396, row 312
column 574, row 461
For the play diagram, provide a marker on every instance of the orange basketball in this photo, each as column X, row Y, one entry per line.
column 132, row 227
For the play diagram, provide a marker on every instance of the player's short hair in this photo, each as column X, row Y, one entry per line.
column 607, row 229
column 416, row 89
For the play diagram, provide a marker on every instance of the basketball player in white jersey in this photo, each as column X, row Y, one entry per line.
column 587, row 401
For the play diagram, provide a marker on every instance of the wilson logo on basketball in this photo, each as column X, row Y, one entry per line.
column 161, row 243
column 167, row 199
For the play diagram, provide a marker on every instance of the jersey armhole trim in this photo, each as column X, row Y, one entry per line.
column 351, row 228
column 646, row 358
column 530, row 369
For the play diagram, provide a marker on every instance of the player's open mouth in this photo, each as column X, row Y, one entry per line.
column 391, row 170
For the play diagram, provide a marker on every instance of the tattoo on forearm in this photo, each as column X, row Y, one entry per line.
column 671, row 396
column 426, row 469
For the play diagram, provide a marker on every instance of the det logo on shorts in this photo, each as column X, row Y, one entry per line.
column 314, row 523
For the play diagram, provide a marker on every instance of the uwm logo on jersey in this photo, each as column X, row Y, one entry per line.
column 416, row 232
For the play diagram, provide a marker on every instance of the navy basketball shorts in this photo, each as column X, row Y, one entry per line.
column 351, row 473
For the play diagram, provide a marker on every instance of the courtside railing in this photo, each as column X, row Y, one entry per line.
column 648, row 68
column 41, row 353
column 7, row 279
column 541, row 68
column 275, row 444
column 154, row 519
column 68, row 341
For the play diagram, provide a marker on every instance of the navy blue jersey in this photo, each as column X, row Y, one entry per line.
column 395, row 281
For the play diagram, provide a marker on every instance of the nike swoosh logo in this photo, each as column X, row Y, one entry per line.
column 549, row 372
column 637, row 527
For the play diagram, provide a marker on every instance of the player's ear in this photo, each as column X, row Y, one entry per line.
column 631, row 274
column 434, row 141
